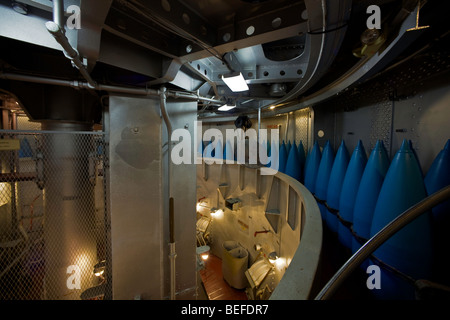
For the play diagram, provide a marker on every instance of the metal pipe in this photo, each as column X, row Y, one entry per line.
column 58, row 13
column 376, row 241
column 172, row 251
column 57, row 32
column 101, row 87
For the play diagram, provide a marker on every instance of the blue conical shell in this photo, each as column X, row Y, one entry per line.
column 438, row 177
column 313, row 163
column 282, row 158
column 228, row 152
column 292, row 165
column 410, row 249
column 302, row 160
column 209, row 150
column 323, row 176
column 335, row 184
column 349, row 190
column 25, row 149
column 368, row 191
column 201, row 149
column 218, row 150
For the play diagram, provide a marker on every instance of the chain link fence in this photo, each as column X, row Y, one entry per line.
column 53, row 216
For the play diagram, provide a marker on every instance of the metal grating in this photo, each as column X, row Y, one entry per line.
column 53, row 216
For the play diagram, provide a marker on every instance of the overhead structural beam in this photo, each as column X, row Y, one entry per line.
column 322, row 43
column 367, row 65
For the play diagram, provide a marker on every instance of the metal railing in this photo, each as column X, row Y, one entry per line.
column 377, row 240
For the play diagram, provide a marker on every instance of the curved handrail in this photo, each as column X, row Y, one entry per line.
column 377, row 240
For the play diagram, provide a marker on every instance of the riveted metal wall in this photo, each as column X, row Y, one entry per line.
column 53, row 221
column 406, row 101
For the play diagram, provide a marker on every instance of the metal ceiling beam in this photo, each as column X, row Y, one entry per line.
column 327, row 26
column 94, row 14
column 255, row 31
column 367, row 65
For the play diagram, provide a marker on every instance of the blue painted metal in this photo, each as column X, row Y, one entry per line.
column 293, row 168
column 312, row 167
column 368, row 191
column 323, row 176
column 438, row 177
column 282, row 158
column 337, row 176
column 349, row 190
column 25, row 149
column 302, row 161
column 409, row 250
column 228, row 152
column 288, row 147
column 218, row 150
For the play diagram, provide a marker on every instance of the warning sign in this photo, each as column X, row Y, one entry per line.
column 9, row 145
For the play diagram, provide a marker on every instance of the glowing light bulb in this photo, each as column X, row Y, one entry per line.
column 217, row 214
column 205, row 256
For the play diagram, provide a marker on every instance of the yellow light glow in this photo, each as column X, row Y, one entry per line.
column 205, row 256
column 5, row 191
column 98, row 274
column 217, row 214
column 83, row 261
column 280, row 263
column 272, row 107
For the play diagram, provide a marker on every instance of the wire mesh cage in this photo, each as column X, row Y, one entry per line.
column 53, row 216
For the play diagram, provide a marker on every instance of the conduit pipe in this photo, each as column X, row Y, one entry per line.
column 376, row 241
column 172, row 250
column 100, row 87
column 57, row 30
column 58, row 13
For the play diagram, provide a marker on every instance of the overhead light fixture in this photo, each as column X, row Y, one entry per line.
column 273, row 107
column 235, row 81
column 227, row 107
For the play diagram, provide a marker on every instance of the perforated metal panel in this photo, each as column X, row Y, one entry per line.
column 293, row 127
column 303, row 127
column 408, row 101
